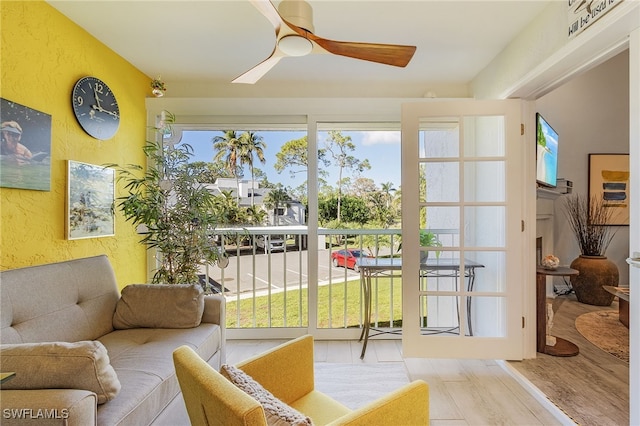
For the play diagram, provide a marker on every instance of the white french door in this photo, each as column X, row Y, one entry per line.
column 461, row 178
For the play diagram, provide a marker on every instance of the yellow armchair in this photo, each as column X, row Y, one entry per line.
column 287, row 372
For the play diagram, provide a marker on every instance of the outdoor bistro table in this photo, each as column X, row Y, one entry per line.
column 380, row 266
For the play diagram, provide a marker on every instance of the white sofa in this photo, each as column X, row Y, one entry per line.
column 78, row 301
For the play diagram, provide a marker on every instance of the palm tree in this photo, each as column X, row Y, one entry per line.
column 275, row 198
column 256, row 215
column 227, row 208
column 387, row 188
column 251, row 144
column 228, row 149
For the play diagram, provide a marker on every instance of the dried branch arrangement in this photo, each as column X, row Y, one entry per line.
column 584, row 217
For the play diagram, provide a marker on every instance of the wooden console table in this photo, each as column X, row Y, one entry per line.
column 562, row 347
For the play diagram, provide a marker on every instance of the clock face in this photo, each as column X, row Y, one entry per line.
column 95, row 108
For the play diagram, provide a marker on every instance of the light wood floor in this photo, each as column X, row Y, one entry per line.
column 591, row 388
column 462, row 392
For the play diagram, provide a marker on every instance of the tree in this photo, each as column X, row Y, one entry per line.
column 339, row 147
column 363, row 186
column 251, row 144
column 293, row 154
column 275, row 198
column 175, row 212
column 228, row 149
column 387, row 188
column 208, row 172
column 255, row 215
column 355, row 209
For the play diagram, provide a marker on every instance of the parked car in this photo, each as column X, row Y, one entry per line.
column 347, row 258
column 270, row 242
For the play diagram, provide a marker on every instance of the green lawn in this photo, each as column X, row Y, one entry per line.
column 335, row 310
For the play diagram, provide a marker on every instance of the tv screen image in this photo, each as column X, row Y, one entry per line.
column 546, row 153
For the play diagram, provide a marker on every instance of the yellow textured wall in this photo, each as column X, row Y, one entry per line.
column 43, row 54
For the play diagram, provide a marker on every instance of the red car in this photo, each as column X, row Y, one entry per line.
column 348, row 257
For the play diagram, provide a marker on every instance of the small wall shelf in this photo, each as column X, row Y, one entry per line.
column 548, row 193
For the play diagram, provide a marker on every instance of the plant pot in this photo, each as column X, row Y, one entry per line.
column 594, row 273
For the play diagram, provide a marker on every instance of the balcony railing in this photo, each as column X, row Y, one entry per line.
column 266, row 279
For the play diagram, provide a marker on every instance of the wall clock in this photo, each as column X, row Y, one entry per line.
column 96, row 108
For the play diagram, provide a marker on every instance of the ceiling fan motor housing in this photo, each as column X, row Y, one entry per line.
column 297, row 12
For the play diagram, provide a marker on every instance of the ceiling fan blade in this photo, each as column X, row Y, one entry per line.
column 256, row 73
column 269, row 11
column 389, row 54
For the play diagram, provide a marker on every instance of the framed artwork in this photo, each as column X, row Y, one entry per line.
column 609, row 181
column 25, row 150
column 91, row 193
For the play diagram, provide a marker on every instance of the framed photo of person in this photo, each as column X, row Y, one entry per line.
column 25, row 150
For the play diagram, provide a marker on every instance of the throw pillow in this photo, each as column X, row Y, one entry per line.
column 159, row 306
column 277, row 412
column 61, row 365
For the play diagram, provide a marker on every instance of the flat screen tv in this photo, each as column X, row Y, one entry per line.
column 546, row 153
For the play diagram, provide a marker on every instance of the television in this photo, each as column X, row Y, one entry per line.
column 546, row 153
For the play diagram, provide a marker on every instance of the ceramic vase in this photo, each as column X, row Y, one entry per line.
column 594, row 273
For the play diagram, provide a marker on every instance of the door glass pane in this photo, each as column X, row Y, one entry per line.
column 484, row 181
column 440, row 138
column 359, row 177
column 259, row 182
column 484, row 136
column 439, row 315
column 487, row 316
column 484, row 226
column 440, row 272
column 439, row 181
column 486, row 271
column 442, row 221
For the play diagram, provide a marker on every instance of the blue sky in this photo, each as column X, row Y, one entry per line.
column 381, row 148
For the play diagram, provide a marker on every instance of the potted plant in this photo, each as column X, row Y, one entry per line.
column 427, row 239
column 586, row 218
column 170, row 208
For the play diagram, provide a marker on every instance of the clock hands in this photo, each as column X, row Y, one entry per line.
column 95, row 95
column 99, row 107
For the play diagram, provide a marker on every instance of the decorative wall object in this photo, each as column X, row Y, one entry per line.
column 157, row 87
column 581, row 14
column 25, row 160
column 609, row 182
column 91, row 193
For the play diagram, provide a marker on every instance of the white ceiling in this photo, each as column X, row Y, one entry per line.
column 198, row 47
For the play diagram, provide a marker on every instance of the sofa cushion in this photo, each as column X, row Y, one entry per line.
column 277, row 412
column 80, row 365
column 142, row 358
column 159, row 306
column 58, row 302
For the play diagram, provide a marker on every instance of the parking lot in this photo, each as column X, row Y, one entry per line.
column 277, row 269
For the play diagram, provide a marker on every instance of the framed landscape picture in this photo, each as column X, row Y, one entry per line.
column 609, row 181
column 25, row 150
column 91, row 192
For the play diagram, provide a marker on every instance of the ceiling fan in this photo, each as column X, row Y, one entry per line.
column 293, row 24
